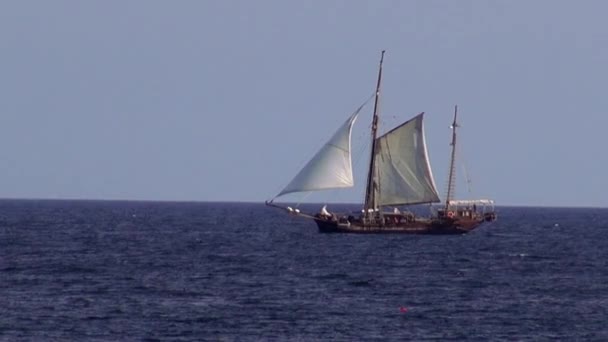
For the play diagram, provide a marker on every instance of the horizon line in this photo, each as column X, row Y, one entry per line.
column 262, row 202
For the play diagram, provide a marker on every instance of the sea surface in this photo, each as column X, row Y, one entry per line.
column 149, row 271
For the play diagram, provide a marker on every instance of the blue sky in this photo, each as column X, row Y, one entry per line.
column 225, row 100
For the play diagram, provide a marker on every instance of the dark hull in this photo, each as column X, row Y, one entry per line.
column 434, row 227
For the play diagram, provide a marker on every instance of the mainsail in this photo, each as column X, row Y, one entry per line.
column 403, row 172
column 331, row 167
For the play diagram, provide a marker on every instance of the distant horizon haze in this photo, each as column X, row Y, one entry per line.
column 306, row 203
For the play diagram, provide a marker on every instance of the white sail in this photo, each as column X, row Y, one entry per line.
column 331, row 167
column 403, row 172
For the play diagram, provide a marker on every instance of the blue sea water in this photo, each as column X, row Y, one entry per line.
column 146, row 271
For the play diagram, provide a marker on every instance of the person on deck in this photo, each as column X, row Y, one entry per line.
column 324, row 212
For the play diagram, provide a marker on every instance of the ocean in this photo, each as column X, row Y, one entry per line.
column 154, row 271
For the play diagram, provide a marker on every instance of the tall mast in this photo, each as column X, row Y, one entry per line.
column 451, row 180
column 370, row 197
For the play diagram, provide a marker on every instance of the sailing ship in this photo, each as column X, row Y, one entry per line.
column 399, row 175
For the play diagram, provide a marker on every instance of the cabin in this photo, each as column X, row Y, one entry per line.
column 467, row 209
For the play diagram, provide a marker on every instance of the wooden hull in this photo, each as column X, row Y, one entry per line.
column 396, row 223
column 434, row 227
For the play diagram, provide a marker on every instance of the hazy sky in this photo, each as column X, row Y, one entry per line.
column 226, row 100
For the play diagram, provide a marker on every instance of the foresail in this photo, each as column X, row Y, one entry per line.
column 331, row 167
column 404, row 174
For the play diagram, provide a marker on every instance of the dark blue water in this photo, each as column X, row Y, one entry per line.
column 123, row 271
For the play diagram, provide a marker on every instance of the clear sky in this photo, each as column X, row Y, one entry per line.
column 226, row 100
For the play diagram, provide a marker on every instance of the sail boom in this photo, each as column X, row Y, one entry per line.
column 396, row 204
column 283, row 193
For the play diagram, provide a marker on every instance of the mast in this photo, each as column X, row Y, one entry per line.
column 451, row 180
column 370, row 196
